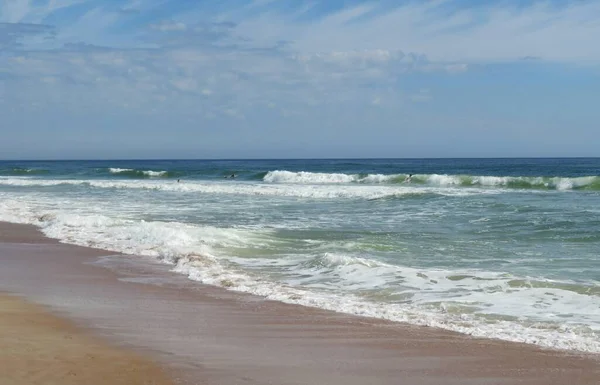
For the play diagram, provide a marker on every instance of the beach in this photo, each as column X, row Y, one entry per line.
column 37, row 347
column 208, row 335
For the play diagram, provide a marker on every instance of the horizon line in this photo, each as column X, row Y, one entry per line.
column 288, row 159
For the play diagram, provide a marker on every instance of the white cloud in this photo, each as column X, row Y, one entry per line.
column 274, row 60
column 27, row 11
column 16, row 35
column 496, row 31
column 236, row 80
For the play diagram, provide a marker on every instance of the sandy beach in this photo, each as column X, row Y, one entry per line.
column 37, row 347
column 207, row 335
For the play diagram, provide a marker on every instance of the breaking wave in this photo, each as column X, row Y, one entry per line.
column 132, row 173
column 463, row 300
column 441, row 180
column 252, row 189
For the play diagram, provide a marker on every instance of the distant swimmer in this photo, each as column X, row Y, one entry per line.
column 230, row 176
column 408, row 178
column 178, row 181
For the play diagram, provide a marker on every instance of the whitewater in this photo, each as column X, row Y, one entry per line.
column 504, row 249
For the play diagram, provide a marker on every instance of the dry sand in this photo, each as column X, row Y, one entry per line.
column 207, row 335
column 37, row 347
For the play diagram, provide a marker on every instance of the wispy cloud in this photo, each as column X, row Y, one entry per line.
column 211, row 59
column 27, row 11
column 443, row 30
column 168, row 61
column 14, row 35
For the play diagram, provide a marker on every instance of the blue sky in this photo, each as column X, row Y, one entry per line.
column 281, row 79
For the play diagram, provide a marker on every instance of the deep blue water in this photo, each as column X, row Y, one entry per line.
column 562, row 167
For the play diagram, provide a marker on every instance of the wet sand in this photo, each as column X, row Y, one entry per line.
column 207, row 335
column 37, row 347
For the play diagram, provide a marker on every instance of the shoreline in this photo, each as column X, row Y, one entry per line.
column 37, row 347
column 210, row 335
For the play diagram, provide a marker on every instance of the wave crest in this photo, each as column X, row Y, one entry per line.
column 138, row 173
column 280, row 190
column 440, row 180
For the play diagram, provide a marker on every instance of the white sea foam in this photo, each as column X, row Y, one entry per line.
column 257, row 189
column 467, row 301
column 380, row 178
column 314, row 180
column 116, row 170
column 323, row 186
column 427, row 297
column 307, row 177
column 154, row 173
column 441, row 180
column 149, row 173
column 303, row 177
column 558, row 183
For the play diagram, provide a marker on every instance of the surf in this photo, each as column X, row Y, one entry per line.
column 462, row 300
column 134, row 173
column 441, row 180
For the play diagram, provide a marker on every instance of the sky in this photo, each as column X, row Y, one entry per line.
column 106, row 79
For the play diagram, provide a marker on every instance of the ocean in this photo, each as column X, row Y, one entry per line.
column 497, row 248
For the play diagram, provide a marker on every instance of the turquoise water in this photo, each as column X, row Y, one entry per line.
column 499, row 248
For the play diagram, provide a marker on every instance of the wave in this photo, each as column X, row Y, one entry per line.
column 313, row 180
column 259, row 175
column 441, row 180
column 460, row 300
column 133, row 173
column 518, row 182
column 323, row 191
